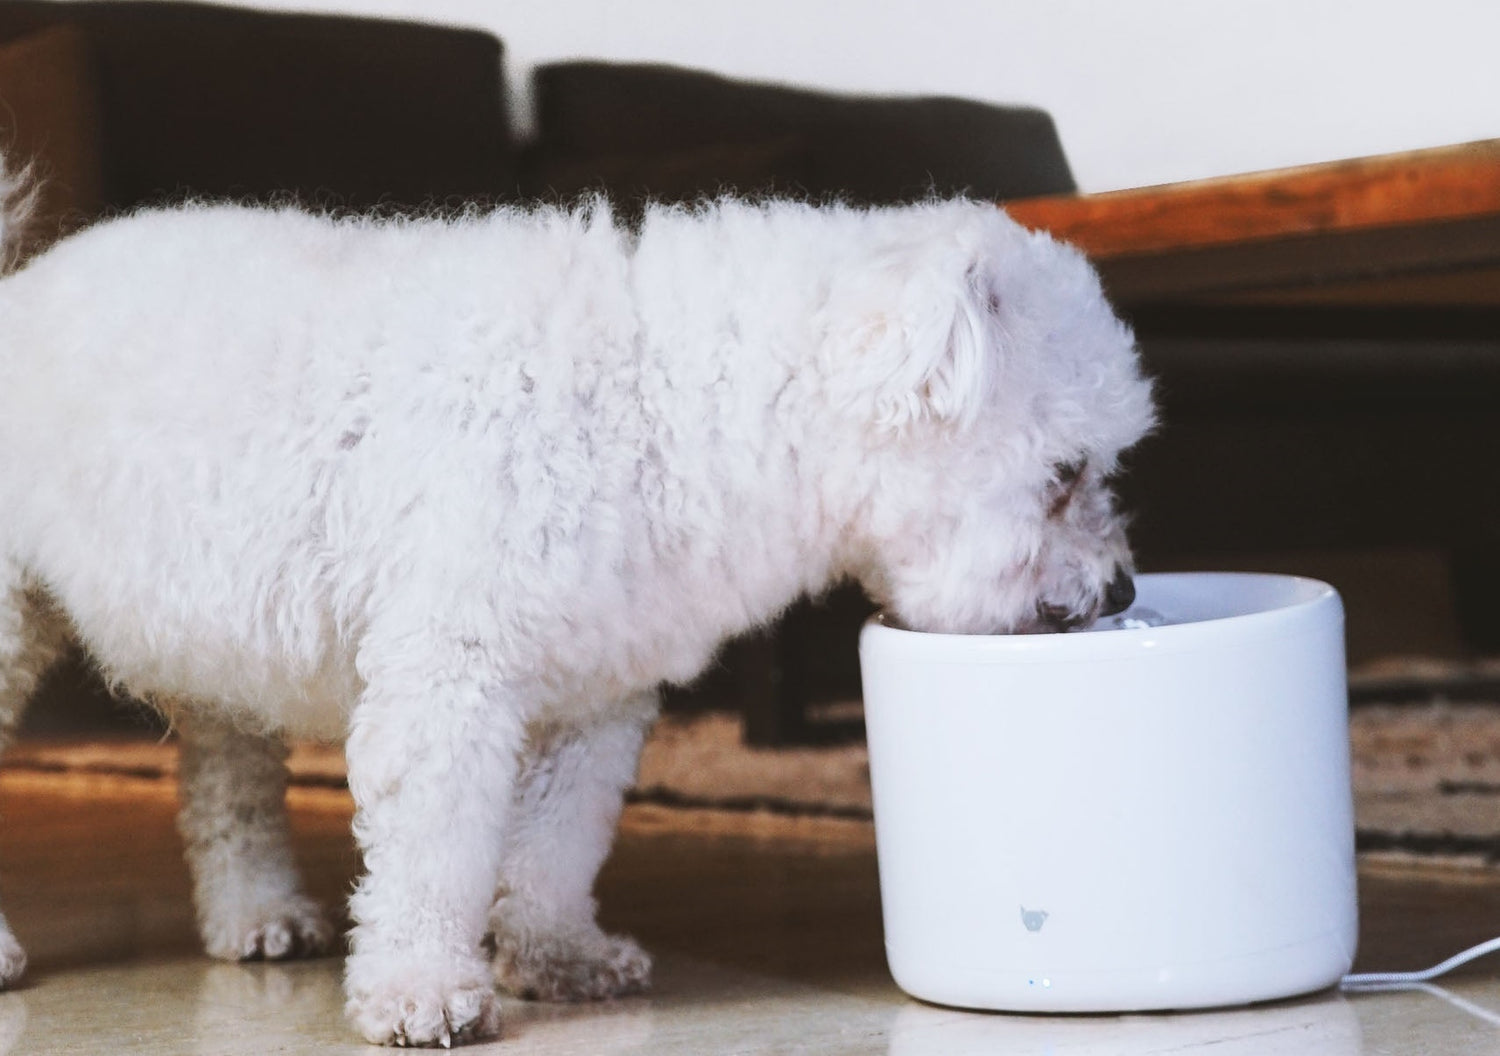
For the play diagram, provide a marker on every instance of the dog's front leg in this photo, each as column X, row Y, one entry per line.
column 567, row 804
column 432, row 758
column 234, row 827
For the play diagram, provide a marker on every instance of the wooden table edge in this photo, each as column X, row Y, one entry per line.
column 1438, row 184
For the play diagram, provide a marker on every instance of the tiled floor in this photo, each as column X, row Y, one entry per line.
column 767, row 931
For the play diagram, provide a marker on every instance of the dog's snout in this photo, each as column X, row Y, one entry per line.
column 1120, row 593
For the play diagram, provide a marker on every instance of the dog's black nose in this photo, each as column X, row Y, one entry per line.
column 1120, row 593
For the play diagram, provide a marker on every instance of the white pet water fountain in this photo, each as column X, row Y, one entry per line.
column 1154, row 813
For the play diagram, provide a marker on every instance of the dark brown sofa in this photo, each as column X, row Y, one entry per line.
column 171, row 99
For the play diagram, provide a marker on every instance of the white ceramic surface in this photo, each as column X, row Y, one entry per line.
column 1122, row 819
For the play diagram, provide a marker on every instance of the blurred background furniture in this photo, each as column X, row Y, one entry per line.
column 1326, row 340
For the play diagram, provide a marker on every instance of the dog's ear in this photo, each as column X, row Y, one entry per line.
column 948, row 334
column 921, row 339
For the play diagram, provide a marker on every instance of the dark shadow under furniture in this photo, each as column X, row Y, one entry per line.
column 1307, row 428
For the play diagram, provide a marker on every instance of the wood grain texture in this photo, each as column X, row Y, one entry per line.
column 1446, row 183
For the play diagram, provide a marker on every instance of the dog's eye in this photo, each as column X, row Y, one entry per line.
column 1068, row 473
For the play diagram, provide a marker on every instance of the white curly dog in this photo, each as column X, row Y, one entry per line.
column 462, row 492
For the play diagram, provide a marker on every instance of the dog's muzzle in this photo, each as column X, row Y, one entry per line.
column 1118, row 596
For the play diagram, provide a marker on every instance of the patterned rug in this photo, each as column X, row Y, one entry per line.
column 1426, row 753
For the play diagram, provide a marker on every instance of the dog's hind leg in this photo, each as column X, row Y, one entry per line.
column 567, row 805
column 234, row 827
column 33, row 634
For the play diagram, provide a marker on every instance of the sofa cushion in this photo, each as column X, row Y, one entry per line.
column 49, row 120
column 216, row 101
column 863, row 149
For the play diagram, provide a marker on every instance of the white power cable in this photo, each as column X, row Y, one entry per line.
column 1377, row 980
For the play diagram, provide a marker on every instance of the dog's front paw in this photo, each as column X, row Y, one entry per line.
column 395, row 1000
column 12, row 959
column 292, row 927
column 580, row 966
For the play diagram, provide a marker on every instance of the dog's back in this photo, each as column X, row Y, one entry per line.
column 225, row 430
column 205, row 411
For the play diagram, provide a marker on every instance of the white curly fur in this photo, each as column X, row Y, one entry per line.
column 463, row 491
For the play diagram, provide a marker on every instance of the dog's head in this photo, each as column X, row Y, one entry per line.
column 998, row 390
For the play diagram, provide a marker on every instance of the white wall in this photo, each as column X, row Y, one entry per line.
column 1143, row 91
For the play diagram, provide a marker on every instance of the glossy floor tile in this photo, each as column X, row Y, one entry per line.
column 767, row 931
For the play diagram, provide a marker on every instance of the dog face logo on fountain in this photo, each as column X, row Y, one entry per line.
column 1033, row 918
